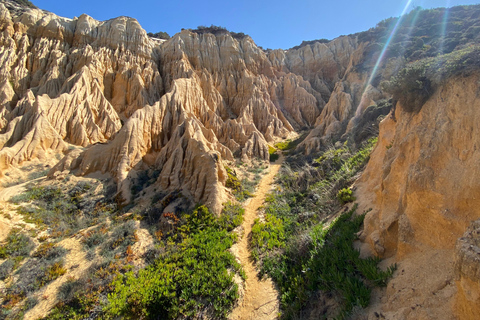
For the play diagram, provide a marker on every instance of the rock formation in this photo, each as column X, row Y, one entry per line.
column 125, row 97
column 108, row 98
column 129, row 99
column 421, row 184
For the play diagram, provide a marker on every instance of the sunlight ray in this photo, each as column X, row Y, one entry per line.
column 382, row 54
column 389, row 40
column 443, row 32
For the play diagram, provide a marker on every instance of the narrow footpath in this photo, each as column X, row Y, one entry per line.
column 260, row 301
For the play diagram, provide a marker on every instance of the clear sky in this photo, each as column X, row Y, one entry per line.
column 271, row 24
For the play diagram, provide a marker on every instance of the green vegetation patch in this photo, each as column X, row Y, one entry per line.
column 345, row 195
column 194, row 275
column 414, row 84
column 241, row 189
column 304, row 256
column 286, row 145
column 64, row 211
column 17, row 245
column 45, row 265
column 273, row 153
column 189, row 274
column 159, row 35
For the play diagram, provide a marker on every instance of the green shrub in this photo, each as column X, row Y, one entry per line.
column 273, row 154
column 231, row 217
column 17, row 245
column 413, row 85
column 327, row 262
column 345, row 195
column 241, row 189
column 159, row 35
column 267, row 235
column 286, row 145
column 190, row 278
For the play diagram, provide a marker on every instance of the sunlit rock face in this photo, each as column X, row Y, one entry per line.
column 422, row 188
column 181, row 106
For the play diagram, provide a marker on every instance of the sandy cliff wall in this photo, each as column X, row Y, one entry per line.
column 421, row 183
column 132, row 102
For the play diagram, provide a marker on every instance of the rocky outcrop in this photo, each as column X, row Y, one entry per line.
column 421, row 184
column 133, row 102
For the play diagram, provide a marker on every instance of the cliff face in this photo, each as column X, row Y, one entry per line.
column 134, row 102
column 105, row 97
column 421, row 183
column 85, row 82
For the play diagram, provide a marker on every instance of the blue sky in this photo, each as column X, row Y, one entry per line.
column 271, row 24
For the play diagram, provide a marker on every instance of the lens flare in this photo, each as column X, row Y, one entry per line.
column 443, row 32
column 385, row 47
column 382, row 55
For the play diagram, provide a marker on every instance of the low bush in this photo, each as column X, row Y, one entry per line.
column 6, row 268
column 273, row 154
column 84, row 298
column 231, row 217
column 345, row 195
column 267, row 235
column 31, row 276
column 65, row 212
column 95, row 237
column 326, row 261
column 122, row 237
column 17, row 245
column 414, row 84
column 49, row 251
column 241, row 189
column 53, row 271
column 191, row 277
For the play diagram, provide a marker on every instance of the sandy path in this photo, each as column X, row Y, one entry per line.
column 261, row 298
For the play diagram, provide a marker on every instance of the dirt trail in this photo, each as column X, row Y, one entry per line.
column 260, row 301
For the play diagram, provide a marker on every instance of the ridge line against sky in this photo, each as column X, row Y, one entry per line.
column 271, row 24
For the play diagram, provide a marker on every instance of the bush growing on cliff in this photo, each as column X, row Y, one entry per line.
column 414, row 84
column 218, row 30
column 345, row 195
column 159, row 35
column 25, row 3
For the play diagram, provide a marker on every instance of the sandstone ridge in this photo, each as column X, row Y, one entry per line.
column 134, row 102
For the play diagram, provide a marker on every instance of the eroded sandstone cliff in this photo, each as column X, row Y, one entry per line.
column 108, row 87
column 134, row 102
column 421, row 184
